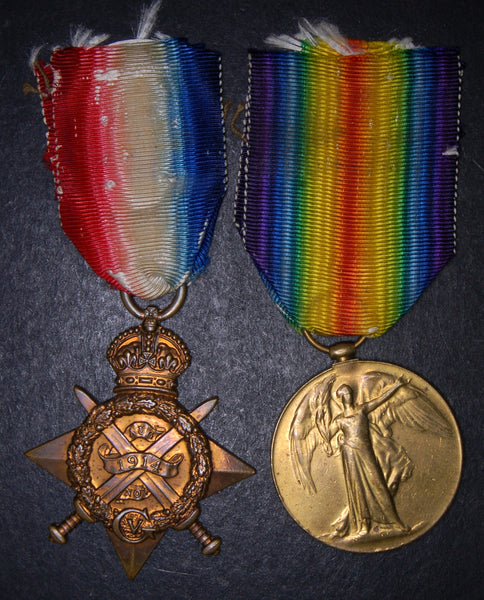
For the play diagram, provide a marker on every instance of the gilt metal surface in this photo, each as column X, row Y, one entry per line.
column 366, row 456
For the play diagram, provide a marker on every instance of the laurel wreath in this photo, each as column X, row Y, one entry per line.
column 129, row 403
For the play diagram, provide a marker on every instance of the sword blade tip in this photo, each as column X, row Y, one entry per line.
column 84, row 398
column 204, row 409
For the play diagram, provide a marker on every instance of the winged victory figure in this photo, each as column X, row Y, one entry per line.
column 355, row 422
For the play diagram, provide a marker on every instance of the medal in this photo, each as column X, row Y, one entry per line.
column 135, row 140
column 375, row 456
column 345, row 203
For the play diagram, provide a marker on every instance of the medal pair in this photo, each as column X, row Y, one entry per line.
column 345, row 203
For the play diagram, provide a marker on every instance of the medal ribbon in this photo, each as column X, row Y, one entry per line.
column 136, row 144
column 346, row 192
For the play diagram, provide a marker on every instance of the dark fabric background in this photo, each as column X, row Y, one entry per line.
column 58, row 318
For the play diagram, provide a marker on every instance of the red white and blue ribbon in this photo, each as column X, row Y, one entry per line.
column 136, row 143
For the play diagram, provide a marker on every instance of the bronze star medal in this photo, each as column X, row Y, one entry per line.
column 140, row 463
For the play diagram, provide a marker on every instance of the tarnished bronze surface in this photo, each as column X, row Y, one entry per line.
column 366, row 456
column 140, row 462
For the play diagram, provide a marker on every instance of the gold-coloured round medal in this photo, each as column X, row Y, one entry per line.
column 366, row 456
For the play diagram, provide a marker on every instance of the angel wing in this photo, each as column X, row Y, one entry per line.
column 409, row 406
column 309, row 428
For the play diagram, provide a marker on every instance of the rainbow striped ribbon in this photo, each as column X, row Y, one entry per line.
column 347, row 185
column 136, row 143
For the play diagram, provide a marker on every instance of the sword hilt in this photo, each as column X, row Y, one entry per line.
column 59, row 531
column 210, row 544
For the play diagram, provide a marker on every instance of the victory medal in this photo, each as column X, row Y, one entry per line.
column 366, row 456
column 346, row 204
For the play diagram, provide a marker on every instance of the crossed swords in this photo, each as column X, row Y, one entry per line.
column 156, row 484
